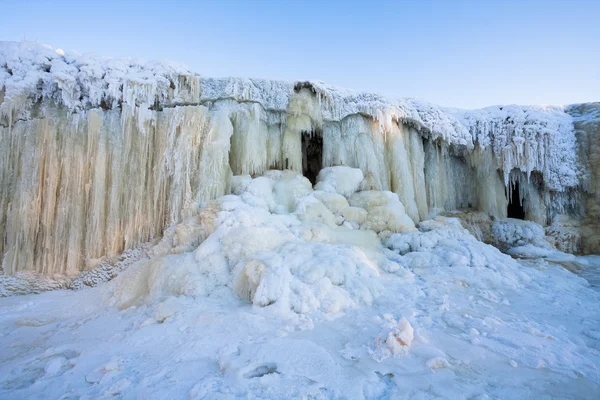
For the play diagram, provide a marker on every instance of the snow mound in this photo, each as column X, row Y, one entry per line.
column 275, row 244
column 512, row 232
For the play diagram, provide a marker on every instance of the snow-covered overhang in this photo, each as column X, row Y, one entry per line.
column 529, row 138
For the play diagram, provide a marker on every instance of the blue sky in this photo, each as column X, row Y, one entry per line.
column 455, row 53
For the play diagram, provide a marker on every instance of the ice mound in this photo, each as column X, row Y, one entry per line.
column 305, row 277
column 528, row 240
column 431, row 233
column 442, row 243
column 275, row 242
column 517, row 238
column 339, row 179
column 384, row 210
column 512, row 232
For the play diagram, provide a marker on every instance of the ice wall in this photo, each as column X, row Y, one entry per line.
column 75, row 187
column 98, row 155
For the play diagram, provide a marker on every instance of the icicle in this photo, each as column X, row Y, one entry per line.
column 402, row 170
column 417, row 156
column 249, row 141
column 304, row 115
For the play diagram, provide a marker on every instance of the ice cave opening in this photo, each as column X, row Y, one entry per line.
column 515, row 207
column 312, row 155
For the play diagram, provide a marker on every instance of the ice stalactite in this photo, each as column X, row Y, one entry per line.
column 275, row 125
column 334, row 153
column 46, row 170
column 249, row 140
column 76, row 187
column 490, row 189
column 535, row 138
column 433, row 177
column 214, row 170
column 401, row 169
column 365, row 149
column 417, row 157
column 303, row 116
column 438, row 186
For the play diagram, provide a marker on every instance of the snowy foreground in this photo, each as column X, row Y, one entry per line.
column 282, row 291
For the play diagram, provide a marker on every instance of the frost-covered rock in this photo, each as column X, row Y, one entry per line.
column 395, row 338
column 515, row 232
column 565, row 234
column 27, row 282
column 479, row 224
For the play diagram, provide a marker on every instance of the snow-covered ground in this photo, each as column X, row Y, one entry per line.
column 282, row 291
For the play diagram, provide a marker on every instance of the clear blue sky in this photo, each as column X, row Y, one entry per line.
column 455, row 53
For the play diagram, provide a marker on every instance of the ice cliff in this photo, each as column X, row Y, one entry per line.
column 99, row 155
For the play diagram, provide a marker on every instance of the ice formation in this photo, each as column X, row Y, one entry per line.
column 275, row 242
column 99, row 155
column 266, row 239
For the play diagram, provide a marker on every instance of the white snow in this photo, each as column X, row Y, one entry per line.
column 269, row 296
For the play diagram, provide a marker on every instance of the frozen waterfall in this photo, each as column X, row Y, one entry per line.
column 100, row 155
